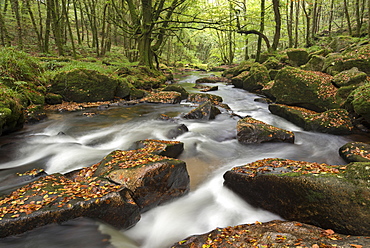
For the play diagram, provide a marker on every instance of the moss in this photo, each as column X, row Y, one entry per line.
column 359, row 101
column 177, row 88
column 297, row 56
column 52, row 98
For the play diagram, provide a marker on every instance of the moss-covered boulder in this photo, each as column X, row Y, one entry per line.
column 307, row 89
column 358, row 102
column 56, row 198
column 349, row 77
column 275, row 233
column 273, row 63
column 83, row 85
column 11, row 110
column 328, row 196
column 142, row 77
column 171, row 97
column 177, row 88
column 51, row 98
column 236, row 70
column 253, row 80
column 316, row 63
column 210, row 79
column 355, row 152
column 334, row 121
column 153, row 178
column 205, row 111
column 250, row 130
column 297, row 56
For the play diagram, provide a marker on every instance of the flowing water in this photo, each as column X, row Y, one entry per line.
column 68, row 141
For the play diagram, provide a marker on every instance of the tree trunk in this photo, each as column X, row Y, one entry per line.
column 289, row 13
column 276, row 6
column 262, row 28
column 15, row 8
column 307, row 13
column 331, row 16
column 296, row 36
column 347, row 17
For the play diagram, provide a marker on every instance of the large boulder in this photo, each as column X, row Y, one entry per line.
column 358, row 101
column 355, row 152
column 272, row 234
column 250, row 130
column 83, row 85
column 177, row 88
column 56, row 198
column 316, row 63
column 328, row 196
column 297, row 56
column 205, row 111
column 253, row 80
column 236, row 70
column 203, row 97
column 349, row 77
column 153, row 178
column 307, row 89
column 334, row 121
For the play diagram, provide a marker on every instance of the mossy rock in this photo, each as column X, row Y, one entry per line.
column 171, row 97
column 35, row 113
column 203, row 97
column 344, row 92
column 250, row 131
column 273, row 63
column 177, row 88
column 316, row 63
column 333, row 197
column 137, row 93
column 143, row 77
column 349, row 77
column 358, row 101
column 83, row 85
column 333, row 121
column 355, row 152
column 307, row 89
column 234, row 71
column 205, row 111
column 11, row 110
column 123, row 89
column 52, row 98
column 253, row 80
column 297, row 56
column 342, row 42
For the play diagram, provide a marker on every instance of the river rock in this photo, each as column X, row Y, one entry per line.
column 153, row 179
column 203, row 97
column 297, row 56
column 205, row 111
column 172, row 149
column 349, row 77
column 355, row 152
column 253, row 80
column 205, row 88
column 177, row 131
column 358, row 102
column 316, row 63
column 177, row 88
column 250, row 130
column 56, row 198
column 236, row 70
column 272, row 234
column 84, row 85
column 334, row 121
column 307, row 89
column 211, row 79
column 171, row 97
column 328, row 196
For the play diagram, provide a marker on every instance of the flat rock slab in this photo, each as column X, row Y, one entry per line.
column 250, row 130
column 334, row 121
column 170, row 97
column 355, row 152
column 273, row 234
column 328, row 196
column 55, row 198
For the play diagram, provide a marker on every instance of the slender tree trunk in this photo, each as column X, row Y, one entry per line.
column 69, row 29
column 296, row 36
column 368, row 22
column 289, row 14
column 347, row 17
column 40, row 40
column 307, row 13
column 77, row 22
column 331, row 16
column 15, row 8
column 276, row 6
column 262, row 29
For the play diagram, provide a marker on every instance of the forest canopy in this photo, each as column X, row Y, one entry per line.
column 176, row 31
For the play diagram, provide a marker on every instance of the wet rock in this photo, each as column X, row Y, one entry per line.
column 334, row 121
column 236, row 70
column 177, row 88
column 253, row 80
column 56, row 198
column 177, row 131
column 272, row 234
column 204, row 88
column 349, row 77
column 205, row 111
column 307, row 89
column 297, row 56
column 153, row 179
column 171, row 97
column 250, row 130
column 328, row 196
column 355, row 152
column 211, row 79
column 202, row 97
column 171, row 149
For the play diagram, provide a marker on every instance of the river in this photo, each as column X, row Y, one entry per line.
column 71, row 140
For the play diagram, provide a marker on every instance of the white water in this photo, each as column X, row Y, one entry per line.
column 210, row 150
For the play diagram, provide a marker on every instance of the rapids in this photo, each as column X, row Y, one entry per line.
column 68, row 141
